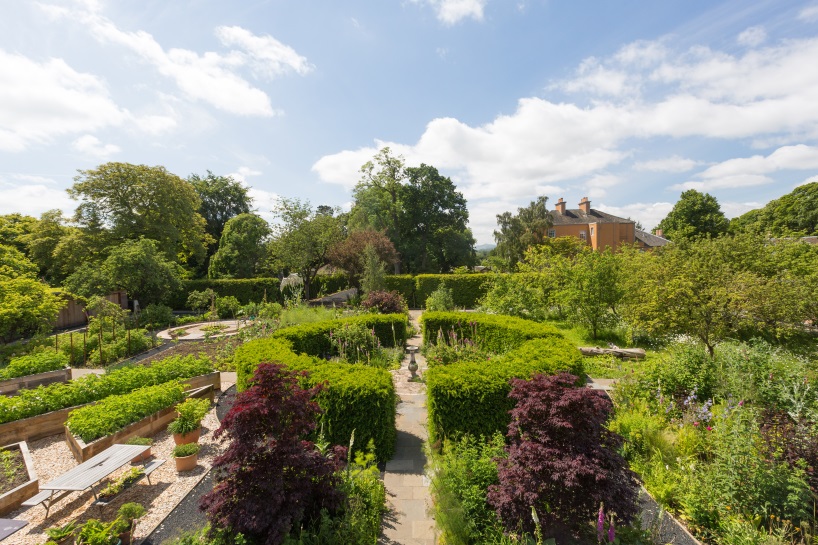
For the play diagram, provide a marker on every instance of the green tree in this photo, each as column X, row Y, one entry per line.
column 27, row 306
column 420, row 211
column 373, row 277
column 594, row 290
column 529, row 227
column 793, row 214
column 301, row 242
column 242, row 248
column 14, row 264
column 222, row 198
column 42, row 241
column 694, row 215
column 347, row 253
column 136, row 266
column 13, row 227
column 133, row 201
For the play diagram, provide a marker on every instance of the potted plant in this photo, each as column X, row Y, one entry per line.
column 95, row 532
column 61, row 535
column 187, row 456
column 142, row 441
column 125, row 522
column 188, row 425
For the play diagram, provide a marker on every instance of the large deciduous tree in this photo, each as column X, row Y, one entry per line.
column 348, row 253
column 271, row 478
column 517, row 232
column 694, row 215
column 26, row 305
column 132, row 201
column 793, row 214
column 593, row 289
column 242, row 248
column 222, row 198
column 420, row 211
column 301, row 242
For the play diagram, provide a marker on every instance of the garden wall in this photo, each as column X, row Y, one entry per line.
column 11, row 386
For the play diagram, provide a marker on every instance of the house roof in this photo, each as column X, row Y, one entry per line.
column 578, row 217
column 649, row 240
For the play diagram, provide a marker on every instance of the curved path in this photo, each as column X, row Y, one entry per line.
column 407, row 486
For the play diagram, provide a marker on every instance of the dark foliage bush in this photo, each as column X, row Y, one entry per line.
column 355, row 397
column 385, row 302
column 271, row 479
column 562, row 460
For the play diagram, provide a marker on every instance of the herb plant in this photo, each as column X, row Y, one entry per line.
column 191, row 412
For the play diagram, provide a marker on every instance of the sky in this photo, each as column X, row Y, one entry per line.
column 628, row 103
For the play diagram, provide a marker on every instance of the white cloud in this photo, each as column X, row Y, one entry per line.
column 90, row 146
column 752, row 37
column 735, row 181
column 809, row 14
column 735, row 209
column 210, row 77
column 597, row 187
column 33, row 199
column 668, row 164
column 42, row 100
column 454, row 11
column 592, row 77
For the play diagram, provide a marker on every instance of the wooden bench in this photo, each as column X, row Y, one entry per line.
column 150, row 467
column 47, row 498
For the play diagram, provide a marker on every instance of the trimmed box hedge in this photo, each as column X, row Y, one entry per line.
column 403, row 284
column 95, row 387
column 115, row 412
column 493, row 332
column 356, row 397
column 472, row 397
column 313, row 338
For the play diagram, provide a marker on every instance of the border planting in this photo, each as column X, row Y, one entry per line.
column 472, row 397
column 356, row 397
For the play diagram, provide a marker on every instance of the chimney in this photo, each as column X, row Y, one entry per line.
column 585, row 205
column 659, row 233
column 560, row 208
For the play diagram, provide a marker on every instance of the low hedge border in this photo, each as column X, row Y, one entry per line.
column 356, row 397
column 95, row 387
column 472, row 397
column 115, row 412
column 493, row 332
column 313, row 338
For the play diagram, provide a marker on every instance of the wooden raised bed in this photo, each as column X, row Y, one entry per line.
column 12, row 499
column 53, row 423
column 11, row 386
column 147, row 427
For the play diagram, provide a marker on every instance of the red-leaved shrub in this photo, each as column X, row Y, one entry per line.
column 271, row 479
column 562, row 460
column 386, row 302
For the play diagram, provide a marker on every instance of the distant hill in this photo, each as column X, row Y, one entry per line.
column 480, row 247
column 795, row 213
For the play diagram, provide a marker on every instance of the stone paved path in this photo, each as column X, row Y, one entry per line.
column 407, row 486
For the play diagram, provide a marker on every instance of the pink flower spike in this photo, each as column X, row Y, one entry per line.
column 600, row 524
column 709, row 428
column 611, row 532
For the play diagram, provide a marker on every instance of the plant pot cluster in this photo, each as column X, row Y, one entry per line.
column 186, row 430
column 96, row 532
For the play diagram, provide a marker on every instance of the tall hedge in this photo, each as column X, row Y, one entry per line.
column 472, row 397
column 313, row 338
column 355, row 397
column 467, row 289
column 493, row 332
column 403, row 284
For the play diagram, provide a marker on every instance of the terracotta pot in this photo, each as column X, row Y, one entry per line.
column 186, row 463
column 189, row 437
column 139, row 459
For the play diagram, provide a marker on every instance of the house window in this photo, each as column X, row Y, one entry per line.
column 552, row 233
column 582, row 235
column 592, row 231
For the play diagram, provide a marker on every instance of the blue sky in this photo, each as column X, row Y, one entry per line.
column 628, row 103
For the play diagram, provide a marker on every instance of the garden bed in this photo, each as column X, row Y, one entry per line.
column 11, row 386
column 146, row 427
column 53, row 423
column 23, row 483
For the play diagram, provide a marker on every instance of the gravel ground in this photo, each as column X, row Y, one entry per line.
column 186, row 516
column 52, row 458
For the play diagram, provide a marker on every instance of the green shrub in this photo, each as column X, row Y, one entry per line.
column 191, row 413
column 493, row 333
column 95, row 387
column 440, row 300
column 115, row 412
column 325, row 284
column 467, row 289
column 550, row 355
column 36, row 362
column 227, row 306
column 188, row 449
column 156, row 317
column 356, row 397
column 313, row 338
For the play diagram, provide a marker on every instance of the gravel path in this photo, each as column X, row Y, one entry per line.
column 186, row 516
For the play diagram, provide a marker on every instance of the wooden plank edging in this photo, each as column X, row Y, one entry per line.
column 11, row 386
column 12, row 499
column 53, row 423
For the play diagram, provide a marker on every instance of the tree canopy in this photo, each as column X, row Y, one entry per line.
column 27, row 306
column 242, row 248
column 694, row 215
column 222, row 198
column 793, row 214
column 517, row 232
column 132, row 201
